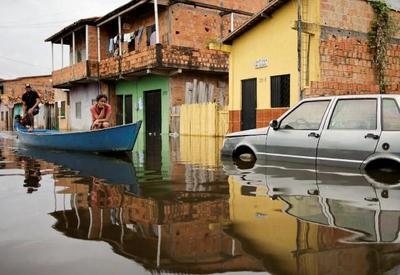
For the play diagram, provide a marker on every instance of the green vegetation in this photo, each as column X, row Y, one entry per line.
column 382, row 29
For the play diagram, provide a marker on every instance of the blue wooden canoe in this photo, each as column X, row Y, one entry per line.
column 114, row 139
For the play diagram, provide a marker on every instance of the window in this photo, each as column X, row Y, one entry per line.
column 354, row 114
column 307, row 116
column 280, row 91
column 78, row 110
column 62, row 109
column 2, row 116
column 390, row 115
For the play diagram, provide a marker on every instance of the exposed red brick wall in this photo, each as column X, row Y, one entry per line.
column 195, row 59
column 169, row 57
column 346, row 14
column 92, row 38
column 14, row 89
column 249, row 6
column 79, row 71
column 346, row 63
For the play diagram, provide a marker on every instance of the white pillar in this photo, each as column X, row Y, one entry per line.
column 98, row 44
column 119, row 36
column 87, row 41
column 62, row 53
column 52, row 56
column 73, row 49
column 232, row 22
column 156, row 22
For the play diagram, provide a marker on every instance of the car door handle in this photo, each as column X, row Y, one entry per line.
column 313, row 134
column 373, row 136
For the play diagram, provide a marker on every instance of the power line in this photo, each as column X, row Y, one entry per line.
column 41, row 24
column 23, row 62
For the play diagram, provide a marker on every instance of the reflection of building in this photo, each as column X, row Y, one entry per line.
column 183, row 233
column 292, row 244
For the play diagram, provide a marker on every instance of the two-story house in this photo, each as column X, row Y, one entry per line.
column 144, row 54
column 289, row 51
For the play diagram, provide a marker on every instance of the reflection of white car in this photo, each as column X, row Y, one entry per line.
column 343, row 198
column 350, row 131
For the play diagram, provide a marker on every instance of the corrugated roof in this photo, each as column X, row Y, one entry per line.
column 86, row 21
column 272, row 6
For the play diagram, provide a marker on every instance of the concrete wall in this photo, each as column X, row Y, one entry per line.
column 84, row 93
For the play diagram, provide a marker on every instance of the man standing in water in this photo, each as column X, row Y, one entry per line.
column 101, row 113
column 30, row 106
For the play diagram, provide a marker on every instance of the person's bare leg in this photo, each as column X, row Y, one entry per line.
column 106, row 124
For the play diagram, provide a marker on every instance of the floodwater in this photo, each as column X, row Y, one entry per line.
column 177, row 208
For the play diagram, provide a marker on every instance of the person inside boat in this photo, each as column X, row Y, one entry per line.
column 30, row 106
column 101, row 113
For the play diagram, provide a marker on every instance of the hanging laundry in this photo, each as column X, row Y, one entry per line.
column 127, row 37
column 115, row 39
column 139, row 36
column 111, row 45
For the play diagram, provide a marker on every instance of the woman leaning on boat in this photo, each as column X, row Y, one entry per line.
column 101, row 113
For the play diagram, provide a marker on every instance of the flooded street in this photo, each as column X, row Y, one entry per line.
column 175, row 207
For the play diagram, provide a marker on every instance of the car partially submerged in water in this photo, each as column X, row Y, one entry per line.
column 347, row 131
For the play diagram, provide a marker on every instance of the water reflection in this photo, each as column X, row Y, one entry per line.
column 302, row 221
column 186, row 211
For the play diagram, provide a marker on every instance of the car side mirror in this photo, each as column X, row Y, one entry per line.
column 274, row 124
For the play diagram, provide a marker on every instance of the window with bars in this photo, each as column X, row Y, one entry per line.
column 280, row 91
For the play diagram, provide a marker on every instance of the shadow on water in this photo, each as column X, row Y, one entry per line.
column 185, row 210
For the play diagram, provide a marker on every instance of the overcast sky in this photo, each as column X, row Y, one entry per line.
column 25, row 24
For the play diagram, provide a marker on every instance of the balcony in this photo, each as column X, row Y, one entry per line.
column 82, row 72
column 164, row 59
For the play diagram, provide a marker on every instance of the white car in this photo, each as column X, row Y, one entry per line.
column 349, row 131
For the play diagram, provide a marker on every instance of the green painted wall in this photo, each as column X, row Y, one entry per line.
column 137, row 88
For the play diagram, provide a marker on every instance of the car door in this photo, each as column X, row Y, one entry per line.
column 351, row 133
column 296, row 138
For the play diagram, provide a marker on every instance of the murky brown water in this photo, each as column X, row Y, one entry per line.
column 180, row 209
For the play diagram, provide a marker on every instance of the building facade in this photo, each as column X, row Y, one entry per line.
column 275, row 61
column 144, row 55
column 52, row 113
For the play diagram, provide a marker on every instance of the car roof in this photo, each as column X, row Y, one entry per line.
column 351, row 96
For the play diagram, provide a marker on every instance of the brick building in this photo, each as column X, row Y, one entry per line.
column 52, row 114
column 143, row 55
column 274, row 62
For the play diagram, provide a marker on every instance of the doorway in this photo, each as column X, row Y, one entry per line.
column 153, row 112
column 249, row 104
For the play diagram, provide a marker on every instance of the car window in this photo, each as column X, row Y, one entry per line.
column 354, row 114
column 390, row 115
column 307, row 116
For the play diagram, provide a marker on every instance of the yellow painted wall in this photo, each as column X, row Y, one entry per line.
column 262, row 222
column 276, row 40
column 273, row 39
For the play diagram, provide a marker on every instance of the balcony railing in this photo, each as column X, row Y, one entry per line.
column 165, row 58
column 84, row 71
